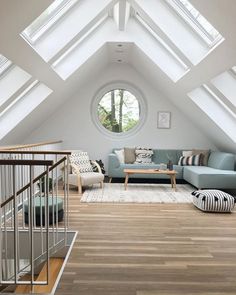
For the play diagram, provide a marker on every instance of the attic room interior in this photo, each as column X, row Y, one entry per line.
column 118, row 147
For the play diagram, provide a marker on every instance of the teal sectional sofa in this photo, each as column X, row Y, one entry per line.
column 219, row 173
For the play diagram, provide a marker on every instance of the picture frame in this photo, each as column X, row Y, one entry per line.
column 164, row 120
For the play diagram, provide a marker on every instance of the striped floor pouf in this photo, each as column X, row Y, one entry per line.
column 213, row 201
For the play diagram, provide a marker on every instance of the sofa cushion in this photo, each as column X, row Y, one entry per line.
column 91, row 178
column 187, row 153
column 129, row 154
column 86, row 178
column 219, row 160
column 194, row 160
column 205, row 154
column 164, row 156
column 213, row 201
column 120, row 155
column 207, row 177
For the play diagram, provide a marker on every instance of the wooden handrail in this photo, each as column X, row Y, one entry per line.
column 26, row 162
column 61, row 152
column 23, row 146
column 34, row 180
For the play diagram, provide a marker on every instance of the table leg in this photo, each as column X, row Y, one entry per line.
column 171, row 180
column 126, row 180
column 174, row 180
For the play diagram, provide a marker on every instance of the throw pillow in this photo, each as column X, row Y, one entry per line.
column 129, row 154
column 143, row 155
column 195, row 160
column 213, row 200
column 205, row 154
column 95, row 168
column 80, row 159
column 187, row 153
column 120, row 155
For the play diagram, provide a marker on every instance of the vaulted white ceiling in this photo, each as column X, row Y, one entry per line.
column 148, row 35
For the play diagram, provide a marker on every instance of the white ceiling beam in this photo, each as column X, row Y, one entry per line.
column 78, row 54
column 121, row 13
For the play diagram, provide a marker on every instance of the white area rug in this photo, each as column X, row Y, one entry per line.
column 138, row 193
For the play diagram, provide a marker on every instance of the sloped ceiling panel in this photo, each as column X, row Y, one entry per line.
column 16, row 15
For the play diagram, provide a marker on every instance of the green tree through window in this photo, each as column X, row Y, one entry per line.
column 119, row 111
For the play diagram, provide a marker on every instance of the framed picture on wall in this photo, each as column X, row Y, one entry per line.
column 163, row 120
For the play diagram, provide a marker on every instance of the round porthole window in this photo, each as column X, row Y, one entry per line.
column 118, row 110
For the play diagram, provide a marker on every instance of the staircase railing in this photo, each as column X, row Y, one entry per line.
column 45, row 145
column 33, row 200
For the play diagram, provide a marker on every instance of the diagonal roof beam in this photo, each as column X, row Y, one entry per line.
column 121, row 13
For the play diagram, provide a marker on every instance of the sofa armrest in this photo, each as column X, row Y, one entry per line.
column 113, row 163
column 220, row 160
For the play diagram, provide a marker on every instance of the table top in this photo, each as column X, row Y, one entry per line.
column 150, row 171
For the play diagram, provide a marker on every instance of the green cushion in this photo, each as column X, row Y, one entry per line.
column 52, row 201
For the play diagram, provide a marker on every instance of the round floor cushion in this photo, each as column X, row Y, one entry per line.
column 39, row 203
column 213, row 200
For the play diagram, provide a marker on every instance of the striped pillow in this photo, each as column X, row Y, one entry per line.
column 194, row 160
column 213, row 201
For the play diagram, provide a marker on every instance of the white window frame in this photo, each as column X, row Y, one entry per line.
column 5, row 64
column 233, row 71
column 161, row 41
column 133, row 90
column 59, row 12
column 180, row 9
column 22, row 95
column 232, row 113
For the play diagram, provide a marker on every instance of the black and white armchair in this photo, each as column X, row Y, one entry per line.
column 81, row 172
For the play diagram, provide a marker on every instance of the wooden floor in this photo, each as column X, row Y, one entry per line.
column 156, row 249
column 55, row 265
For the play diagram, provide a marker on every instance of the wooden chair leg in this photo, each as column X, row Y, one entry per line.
column 80, row 189
column 110, row 179
column 79, row 185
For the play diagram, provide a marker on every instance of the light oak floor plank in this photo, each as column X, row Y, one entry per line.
column 149, row 249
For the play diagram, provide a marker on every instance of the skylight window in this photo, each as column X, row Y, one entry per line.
column 226, row 84
column 198, row 22
column 4, row 64
column 152, row 32
column 234, row 69
column 47, row 19
column 209, row 103
column 22, row 106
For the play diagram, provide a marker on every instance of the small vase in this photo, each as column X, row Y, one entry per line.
column 170, row 165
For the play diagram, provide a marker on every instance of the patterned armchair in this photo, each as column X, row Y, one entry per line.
column 81, row 172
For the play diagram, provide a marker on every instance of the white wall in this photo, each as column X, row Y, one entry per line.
column 73, row 124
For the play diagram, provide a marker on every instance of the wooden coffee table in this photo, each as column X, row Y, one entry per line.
column 171, row 173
